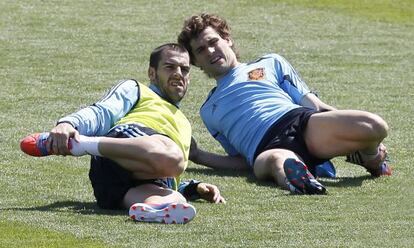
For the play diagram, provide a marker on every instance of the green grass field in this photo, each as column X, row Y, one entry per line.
column 57, row 56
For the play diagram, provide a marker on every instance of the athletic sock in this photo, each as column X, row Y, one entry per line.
column 86, row 145
column 369, row 155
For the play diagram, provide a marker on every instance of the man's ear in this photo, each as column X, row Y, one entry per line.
column 152, row 74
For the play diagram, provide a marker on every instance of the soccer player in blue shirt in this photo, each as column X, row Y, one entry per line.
column 264, row 115
column 139, row 141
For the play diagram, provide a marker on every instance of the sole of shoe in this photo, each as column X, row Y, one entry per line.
column 299, row 177
column 173, row 213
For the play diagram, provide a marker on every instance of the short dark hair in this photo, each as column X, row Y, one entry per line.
column 155, row 56
column 196, row 24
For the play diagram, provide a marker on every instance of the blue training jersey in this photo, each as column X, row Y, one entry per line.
column 248, row 100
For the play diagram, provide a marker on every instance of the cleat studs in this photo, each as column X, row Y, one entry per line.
column 133, row 217
column 142, row 209
column 186, row 219
column 167, row 216
column 173, row 222
column 174, row 205
column 142, row 218
column 134, row 207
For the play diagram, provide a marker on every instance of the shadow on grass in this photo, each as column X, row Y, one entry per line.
column 247, row 174
column 222, row 172
column 344, row 182
column 85, row 208
column 90, row 208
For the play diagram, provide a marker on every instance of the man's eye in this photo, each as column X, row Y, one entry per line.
column 199, row 50
column 213, row 41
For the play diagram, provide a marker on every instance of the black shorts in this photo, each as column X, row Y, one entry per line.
column 287, row 133
column 110, row 182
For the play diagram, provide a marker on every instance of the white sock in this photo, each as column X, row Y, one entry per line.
column 86, row 145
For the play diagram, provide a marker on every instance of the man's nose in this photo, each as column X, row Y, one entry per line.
column 178, row 72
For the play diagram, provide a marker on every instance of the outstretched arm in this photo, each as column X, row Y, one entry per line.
column 193, row 190
column 216, row 161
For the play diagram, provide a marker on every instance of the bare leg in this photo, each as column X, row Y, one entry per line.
column 146, row 157
column 341, row 132
column 269, row 165
column 151, row 194
column 275, row 163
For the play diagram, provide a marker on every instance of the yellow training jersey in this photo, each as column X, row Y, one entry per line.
column 156, row 113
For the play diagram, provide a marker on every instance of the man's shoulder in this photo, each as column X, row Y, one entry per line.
column 269, row 56
column 127, row 83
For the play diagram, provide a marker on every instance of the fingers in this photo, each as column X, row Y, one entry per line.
column 58, row 143
column 218, row 198
column 59, row 139
column 210, row 193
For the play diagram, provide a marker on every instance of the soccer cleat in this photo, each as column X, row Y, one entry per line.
column 299, row 180
column 35, row 144
column 379, row 162
column 326, row 169
column 172, row 213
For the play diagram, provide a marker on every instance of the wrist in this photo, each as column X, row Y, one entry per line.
column 65, row 122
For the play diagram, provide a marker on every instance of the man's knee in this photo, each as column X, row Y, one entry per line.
column 270, row 163
column 378, row 126
column 169, row 162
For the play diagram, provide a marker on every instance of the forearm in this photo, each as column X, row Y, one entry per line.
column 97, row 119
column 84, row 120
column 313, row 102
column 218, row 161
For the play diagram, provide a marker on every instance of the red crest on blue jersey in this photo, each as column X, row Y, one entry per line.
column 256, row 74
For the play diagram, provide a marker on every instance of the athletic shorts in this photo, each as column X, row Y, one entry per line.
column 110, row 182
column 287, row 133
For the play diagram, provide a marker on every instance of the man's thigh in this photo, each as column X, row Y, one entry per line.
column 339, row 132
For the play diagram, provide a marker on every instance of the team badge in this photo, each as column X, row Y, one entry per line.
column 257, row 74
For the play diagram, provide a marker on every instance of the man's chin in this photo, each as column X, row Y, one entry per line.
column 177, row 98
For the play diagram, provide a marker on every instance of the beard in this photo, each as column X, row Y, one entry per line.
column 172, row 98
